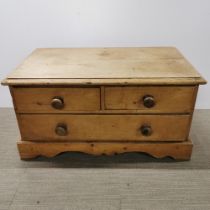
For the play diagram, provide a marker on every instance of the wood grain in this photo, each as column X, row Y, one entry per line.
column 41, row 127
column 102, row 89
column 168, row 99
column 98, row 81
column 179, row 151
column 39, row 99
column 105, row 63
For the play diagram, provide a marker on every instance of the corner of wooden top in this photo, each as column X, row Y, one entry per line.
column 175, row 48
column 203, row 81
column 4, row 82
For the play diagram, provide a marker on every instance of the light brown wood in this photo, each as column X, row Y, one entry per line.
column 39, row 100
column 98, row 81
column 193, row 107
column 106, row 63
column 102, row 112
column 14, row 105
column 91, row 100
column 42, row 127
column 102, row 98
column 168, row 99
column 177, row 150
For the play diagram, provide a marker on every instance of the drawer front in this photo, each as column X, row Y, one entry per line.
column 43, row 127
column 56, row 100
column 155, row 99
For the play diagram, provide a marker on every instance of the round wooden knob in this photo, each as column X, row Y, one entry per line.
column 57, row 103
column 148, row 101
column 61, row 130
column 146, row 130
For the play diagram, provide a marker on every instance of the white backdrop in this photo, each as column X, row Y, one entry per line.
column 29, row 24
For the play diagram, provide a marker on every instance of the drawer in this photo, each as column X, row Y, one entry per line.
column 155, row 99
column 56, row 100
column 60, row 127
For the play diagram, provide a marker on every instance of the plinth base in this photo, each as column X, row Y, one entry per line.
column 176, row 150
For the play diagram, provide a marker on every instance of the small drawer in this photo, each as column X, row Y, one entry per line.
column 43, row 127
column 155, row 99
column 55, row 100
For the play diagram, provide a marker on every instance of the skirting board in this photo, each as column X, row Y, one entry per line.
column 176, row 150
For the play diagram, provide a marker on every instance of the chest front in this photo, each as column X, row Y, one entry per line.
column 105, row 101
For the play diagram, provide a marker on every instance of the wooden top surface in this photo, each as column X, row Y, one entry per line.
column 105, row 66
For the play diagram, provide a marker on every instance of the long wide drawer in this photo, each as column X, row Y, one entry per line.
column 154, row 99
column 56, row 100
column 63, row 127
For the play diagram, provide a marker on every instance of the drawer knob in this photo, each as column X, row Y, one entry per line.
column 57, row 102
column 61, row 130
column 146, row 130
column 148, row 101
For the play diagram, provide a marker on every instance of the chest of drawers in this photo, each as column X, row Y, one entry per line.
column 105, row 101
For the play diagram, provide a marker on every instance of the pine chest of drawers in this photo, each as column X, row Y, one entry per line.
column 105, row 101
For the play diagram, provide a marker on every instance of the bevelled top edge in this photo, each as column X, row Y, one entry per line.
column 131, row 81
